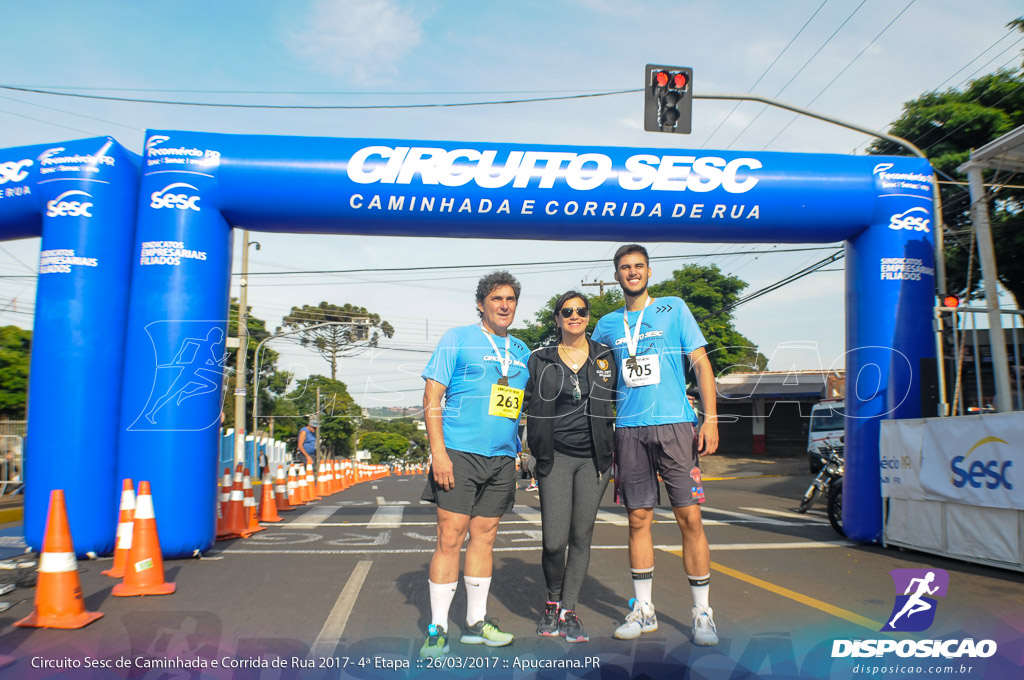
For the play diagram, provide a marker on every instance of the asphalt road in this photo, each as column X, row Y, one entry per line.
column 344, row 581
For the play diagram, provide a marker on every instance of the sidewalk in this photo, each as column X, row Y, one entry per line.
column 11, row 508
column 732, row 465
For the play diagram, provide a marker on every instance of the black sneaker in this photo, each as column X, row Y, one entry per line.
column 548, row 624
column 571, row 628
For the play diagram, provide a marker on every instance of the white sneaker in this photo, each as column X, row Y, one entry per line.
column 640, row 620
column 704, row 631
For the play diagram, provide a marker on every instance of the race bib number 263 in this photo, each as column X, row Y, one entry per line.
column 505, row 401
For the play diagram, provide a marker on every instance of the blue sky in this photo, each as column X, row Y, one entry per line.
column 393, row 52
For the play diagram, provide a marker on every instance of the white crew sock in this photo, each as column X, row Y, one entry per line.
column 477, row 588
column 441, row 595
column 643, row 584
column 700, row 588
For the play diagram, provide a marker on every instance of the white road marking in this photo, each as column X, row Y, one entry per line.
column 607, row 517
column 748, row 517
column 386, row 517
column 330, row 635
column 383, row 538
column 315, row 516
column 529, row 514
column 791, row 545
column 783, row 513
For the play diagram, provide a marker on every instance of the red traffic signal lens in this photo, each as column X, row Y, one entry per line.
column 951, row 301
column 679, row 80
column 661, row 79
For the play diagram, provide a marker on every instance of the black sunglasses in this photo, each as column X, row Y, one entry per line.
column 566, row 312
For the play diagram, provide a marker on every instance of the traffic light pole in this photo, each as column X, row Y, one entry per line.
column 940, row 256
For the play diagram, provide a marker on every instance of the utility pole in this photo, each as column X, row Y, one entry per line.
column 602, row 284
column 240, row 357
column 319, row 429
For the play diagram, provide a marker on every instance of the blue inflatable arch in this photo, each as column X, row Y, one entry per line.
column 81, row 198
column 196, row 187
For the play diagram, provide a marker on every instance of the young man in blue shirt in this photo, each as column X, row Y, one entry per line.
column 655, row 434
column 480, row 372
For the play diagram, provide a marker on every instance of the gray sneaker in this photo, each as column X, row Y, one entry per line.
column 640, row 620
column 548, row 624
column 704, row 631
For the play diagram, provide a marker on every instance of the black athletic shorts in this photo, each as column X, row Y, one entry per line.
column 641, row 453
column 485, row 486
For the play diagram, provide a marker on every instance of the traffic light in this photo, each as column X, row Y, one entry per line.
column 668, row 99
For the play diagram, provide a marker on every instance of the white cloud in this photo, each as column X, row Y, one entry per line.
column 357, row 40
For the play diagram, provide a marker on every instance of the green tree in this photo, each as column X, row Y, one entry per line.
column 15, row 348
column 334, row 342
column 384, row 446
column 947, row 125
column 405, row 427
column 707, row 292
column 339, row 414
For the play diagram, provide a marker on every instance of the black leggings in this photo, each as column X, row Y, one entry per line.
column 569, row 498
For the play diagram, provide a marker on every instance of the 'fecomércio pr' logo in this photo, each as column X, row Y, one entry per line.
column 916, row 590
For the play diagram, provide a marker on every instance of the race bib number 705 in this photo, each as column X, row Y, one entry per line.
column 646, row 370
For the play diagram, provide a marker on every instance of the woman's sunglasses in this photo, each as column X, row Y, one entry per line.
column 567, row 312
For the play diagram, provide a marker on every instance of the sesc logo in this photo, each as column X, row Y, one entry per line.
column 914, row 219
column 59, row 207
column 881, row 167
column 14, row 171
column 166, row 199
column 993, row 473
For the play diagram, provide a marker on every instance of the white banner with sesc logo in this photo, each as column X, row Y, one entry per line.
column 974, row 460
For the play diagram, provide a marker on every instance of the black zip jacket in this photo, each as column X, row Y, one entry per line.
column 547, row 375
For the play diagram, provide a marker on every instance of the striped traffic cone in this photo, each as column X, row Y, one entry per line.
column 59, row 602
column 235, row 524
column 268, row 506
column 281, row 491
column 311, row 483
column 125, row 522
column 250, row 505
column 145, row 572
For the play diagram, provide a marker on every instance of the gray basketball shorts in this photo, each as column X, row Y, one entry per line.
column 642, row 453
column 485, row 486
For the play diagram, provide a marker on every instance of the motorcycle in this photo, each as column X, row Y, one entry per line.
column 828, row 484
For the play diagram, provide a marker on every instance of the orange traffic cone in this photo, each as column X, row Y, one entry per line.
column 250, row 505
column 144, row 574
column 59, row 602
column 294, row 497
column 311, row 483
column 124, row 530
column 281, row 491
column 235, row 524
column 223, row 501
column 268, row 506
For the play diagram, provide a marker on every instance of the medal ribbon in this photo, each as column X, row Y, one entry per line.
column 632, row 338
column 506, row 361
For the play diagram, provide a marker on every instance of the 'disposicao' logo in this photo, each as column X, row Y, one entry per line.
column 915, row 605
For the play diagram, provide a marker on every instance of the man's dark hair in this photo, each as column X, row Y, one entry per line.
column 565, row 297
column 495, row 280
column 629, row 250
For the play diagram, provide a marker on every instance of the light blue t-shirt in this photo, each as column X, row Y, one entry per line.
column 668, row 330
column 465, row 362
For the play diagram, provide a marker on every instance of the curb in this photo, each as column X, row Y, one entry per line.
column 16, row 514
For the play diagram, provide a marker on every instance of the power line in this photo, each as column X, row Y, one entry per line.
column 801, row 70
column 776, row 60
column 838, row 75
column 320, row 107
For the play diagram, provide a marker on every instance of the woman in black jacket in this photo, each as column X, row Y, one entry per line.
column 569, row 409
